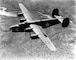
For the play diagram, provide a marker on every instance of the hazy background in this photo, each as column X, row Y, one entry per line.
column 15, row 46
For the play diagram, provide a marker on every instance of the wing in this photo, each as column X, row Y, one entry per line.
column 37, row 29
column 25, row 12
column 42, row 35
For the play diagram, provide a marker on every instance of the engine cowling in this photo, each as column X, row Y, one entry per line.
column 19, row 14
column 28, row 29
column 34, row 36
column 22, row 19
column 15, row 29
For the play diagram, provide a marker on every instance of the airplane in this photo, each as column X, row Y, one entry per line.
column 30, row 25
column 27, row 24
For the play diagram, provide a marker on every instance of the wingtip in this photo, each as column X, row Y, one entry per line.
column 20, row 3
column 54, row 49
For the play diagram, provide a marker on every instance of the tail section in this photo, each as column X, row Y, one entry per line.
column 65, row 22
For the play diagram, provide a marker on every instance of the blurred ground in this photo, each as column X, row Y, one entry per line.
column 20, row 46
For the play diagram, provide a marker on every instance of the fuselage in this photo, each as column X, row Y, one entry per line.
column 45, row 24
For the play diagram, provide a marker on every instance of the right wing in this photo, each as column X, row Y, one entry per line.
column 42, row 35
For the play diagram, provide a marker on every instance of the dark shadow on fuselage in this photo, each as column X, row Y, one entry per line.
column 43, row 24
column 46, row 24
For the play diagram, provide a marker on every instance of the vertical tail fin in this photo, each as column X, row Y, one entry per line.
column 55, row 12
column 65, row 22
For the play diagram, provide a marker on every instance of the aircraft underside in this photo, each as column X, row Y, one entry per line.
column 43, row 24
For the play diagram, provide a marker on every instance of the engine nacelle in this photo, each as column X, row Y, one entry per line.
column 22, row 19
column 34, row 36
column 15, row 29
column 19, row 14
column 28, row 30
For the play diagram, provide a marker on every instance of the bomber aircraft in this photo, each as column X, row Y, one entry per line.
column 27, row 24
